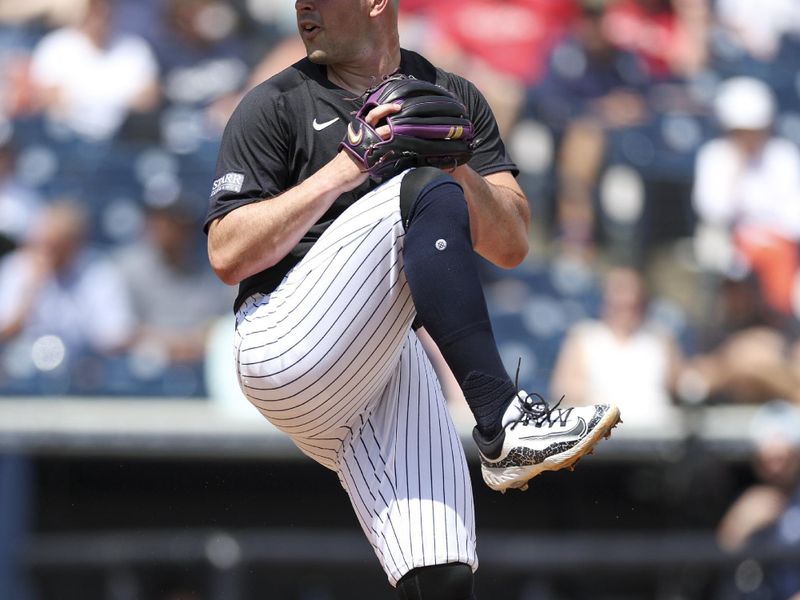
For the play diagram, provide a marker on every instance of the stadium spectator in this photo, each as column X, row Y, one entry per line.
column 589, row 88
column 747, row 192
column 90, row 78
column 767, row 514
column 201, row 54
column 513, row 39
column 174, row 294
column 54, row 285
column 746, row 349
column 758, row 27
column 620, row 356
column 586, row 75
column 19, row 204
column 502, row 55
column 669, row 35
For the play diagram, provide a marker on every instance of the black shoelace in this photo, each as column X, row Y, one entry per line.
column 536, row 410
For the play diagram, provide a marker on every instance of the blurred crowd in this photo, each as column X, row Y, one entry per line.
column 657, row 142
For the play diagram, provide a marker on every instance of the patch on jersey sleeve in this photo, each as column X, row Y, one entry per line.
column 230, row 182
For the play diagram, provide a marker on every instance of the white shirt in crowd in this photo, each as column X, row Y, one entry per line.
column 632, row 372
column 760, row 24
column 98, row 84
column 764, row 192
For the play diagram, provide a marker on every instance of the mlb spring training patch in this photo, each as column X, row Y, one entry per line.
column 230, row 182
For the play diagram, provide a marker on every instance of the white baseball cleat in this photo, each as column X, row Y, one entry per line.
column 537, row 438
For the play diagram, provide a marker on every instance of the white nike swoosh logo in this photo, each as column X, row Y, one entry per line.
column 577, row 431
column 321, row 126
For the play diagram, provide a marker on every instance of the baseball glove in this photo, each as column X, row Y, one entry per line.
column 431, row 129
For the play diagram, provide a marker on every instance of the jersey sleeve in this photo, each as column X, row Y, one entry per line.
column 490, row 154
column 253, row 156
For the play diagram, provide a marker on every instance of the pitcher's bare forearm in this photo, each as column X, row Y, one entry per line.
column 256, row 236
column 499, row 216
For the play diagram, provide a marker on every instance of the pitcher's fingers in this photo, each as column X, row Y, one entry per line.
column 383, row 131
column 381, row 112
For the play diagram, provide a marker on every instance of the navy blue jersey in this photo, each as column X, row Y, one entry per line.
column 290, row 126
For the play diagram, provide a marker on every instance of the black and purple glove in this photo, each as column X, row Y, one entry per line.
column 431, row 129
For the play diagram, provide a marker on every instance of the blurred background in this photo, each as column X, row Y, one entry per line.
column 658, row 145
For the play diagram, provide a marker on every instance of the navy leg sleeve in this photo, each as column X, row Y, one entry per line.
column 443, row 278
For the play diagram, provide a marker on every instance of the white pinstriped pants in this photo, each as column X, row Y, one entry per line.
column 331, row 360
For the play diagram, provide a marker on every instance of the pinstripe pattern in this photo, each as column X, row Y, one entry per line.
column 330, row 359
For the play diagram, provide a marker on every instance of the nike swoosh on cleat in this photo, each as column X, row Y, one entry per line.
column 321, row 126
column 577, row 431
